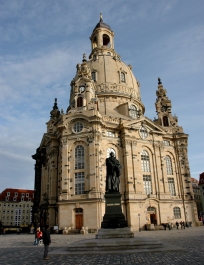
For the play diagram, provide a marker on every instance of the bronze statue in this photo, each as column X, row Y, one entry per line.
column 113, row 172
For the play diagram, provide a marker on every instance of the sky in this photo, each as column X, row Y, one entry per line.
column 42, row 41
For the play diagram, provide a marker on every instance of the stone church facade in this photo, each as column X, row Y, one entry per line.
column 106, row 114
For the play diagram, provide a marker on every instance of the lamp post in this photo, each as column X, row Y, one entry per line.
column 139, row 222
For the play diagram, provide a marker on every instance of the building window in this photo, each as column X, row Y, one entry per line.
column 78, row 127
column 17, row 217
column 145, row 161
column 93, row 76
column 111, row 134
column 177, row 212
column 109, row 151
column 79, row 183
column 14, row 199
column 106, row 40
column 7, row 199
column 165, row 142
column 143, row 132
column 169, row 165
column 29, row 199
column 22, row 194
column 122, row 77
column 171, row 186
column 16, row 194
column 8, row 193
column 79, row 102
column 147, row 184
column 22, row 199
column 165, row 121
column 27, row 195
column 79, row 157
column 133, row 111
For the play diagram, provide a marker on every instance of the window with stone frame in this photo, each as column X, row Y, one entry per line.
column 93, row 76
column 171, row 186
column 165, row 121
column 177, row 212
column 145, row 161
column 79, row 157
column 79, row 102
column 147, row 183
column 110, row 134
column 122, row 77
column 133, row 111
column 109, row 150
column 79, row 183
column 169, row 167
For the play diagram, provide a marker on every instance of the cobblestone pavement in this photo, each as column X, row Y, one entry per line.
column 19, row 249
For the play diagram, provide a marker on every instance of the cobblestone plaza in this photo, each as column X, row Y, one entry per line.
column 19, row 249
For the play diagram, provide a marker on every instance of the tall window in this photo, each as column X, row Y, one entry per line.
column 79, row 183
column 93, row 76
column 171, row 186
column 17, row 217
column 79, row 157
column 145, row 161
column 79, row 102
column 165, row 121
column 177, row 212
column 147, row 182
column 122, row 77
column 169, row 165
column 109, row 151
column 133, row 111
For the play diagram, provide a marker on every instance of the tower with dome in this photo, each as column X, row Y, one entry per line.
column 106, row 114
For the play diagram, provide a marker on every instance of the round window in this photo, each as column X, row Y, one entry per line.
column 78, row 126
column 143, row 132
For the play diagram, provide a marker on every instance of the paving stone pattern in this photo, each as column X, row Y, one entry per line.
column 19, row 249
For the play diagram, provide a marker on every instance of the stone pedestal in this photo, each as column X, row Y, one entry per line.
column 113, row 217
column 115, row 233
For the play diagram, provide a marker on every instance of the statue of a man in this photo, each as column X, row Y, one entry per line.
column 113, row 172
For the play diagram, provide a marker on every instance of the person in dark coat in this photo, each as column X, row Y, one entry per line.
column 46, row 242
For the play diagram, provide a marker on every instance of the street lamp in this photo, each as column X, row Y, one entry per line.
column 139, row 222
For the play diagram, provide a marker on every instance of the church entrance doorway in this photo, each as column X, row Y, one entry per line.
column 78, row 218
column 152, row 214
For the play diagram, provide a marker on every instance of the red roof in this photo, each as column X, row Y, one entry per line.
column 16, row 193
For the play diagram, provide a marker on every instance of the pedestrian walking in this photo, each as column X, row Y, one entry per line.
column 184, row 225
column 177, row 225
column 181, row 224
column 46, row 242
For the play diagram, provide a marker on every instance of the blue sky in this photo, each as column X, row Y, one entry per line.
column 42, row 42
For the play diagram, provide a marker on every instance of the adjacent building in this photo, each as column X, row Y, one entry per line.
column 197, row 195
column 201, row 186
column 106, row 114
column 16, row 207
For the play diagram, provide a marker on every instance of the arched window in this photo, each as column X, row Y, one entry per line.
column 109, row 151
column 122, row 77
column 95, row 42
column 79, row 102
column 79, row 157
column 93, row 76
column 133, row 111
column 177, row 212
column 169, row 168
column 151, row 209
column 145, row 161
column 106, row 40
column 165, row 121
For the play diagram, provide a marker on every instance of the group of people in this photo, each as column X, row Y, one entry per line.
column 182, row 224
column 45, row 237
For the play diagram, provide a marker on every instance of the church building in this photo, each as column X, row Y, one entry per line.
column 106, row 114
